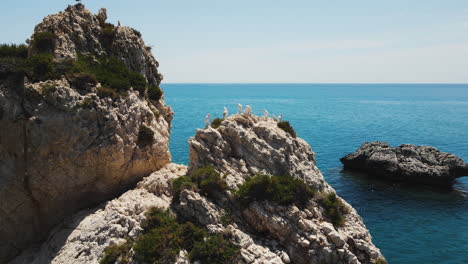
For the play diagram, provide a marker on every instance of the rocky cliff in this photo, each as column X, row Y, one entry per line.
column 69, row 138
column 265, row 231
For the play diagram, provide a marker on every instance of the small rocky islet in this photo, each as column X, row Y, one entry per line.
column 410, row 163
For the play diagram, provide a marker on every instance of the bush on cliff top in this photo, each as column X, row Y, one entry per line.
column 111, row 73
column 284, row 190
column 216, row 122
column 285, row 126
column 13, row 51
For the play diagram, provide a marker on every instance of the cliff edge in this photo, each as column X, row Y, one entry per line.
column 83, row 119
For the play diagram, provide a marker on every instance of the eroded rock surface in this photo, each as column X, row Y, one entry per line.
column 406, row 162
column 83, row 237
column 62, row 147
column 248, row 144
column 244, row 145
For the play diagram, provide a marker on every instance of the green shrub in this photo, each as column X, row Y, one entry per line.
column 284, row 190
column 163, row 238
column 117, row 252
column 44, row 42
column 284, row 125
column 104, row 92
column 216, row 122
column 335, row 209
column 41, row 67
column 13, row 50
column 111, row 73
column 209, row 181
column 81, row 80
column 145, row 136
column 215, row 249
column 154, row 92
column 107, row 35
column 379, row 261
column 183, row 183
column 205, row 180
column 136, row 32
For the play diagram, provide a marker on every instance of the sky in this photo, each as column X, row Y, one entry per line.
column 273, row 41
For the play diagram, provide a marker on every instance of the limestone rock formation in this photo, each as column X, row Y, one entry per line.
column 63, row 147
column 406, row 163
column 83, row 237
column 248, row 144
column 244, row 145
column 265, row 231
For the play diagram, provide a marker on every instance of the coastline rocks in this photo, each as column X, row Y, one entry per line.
column 62, row 147
column 406, row 163
column 248, row 144
column 244, row 145
column 83, row 237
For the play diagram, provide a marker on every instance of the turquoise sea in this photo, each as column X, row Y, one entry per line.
column 410, row 224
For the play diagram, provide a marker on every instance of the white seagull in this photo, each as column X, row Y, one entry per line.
column 265, row 113
column 248, row 110
column 280, row 117
column 207, row 119
column 239, row 106
column 225, row 113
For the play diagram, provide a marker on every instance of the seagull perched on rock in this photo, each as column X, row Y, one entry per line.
column 239, row 106
column 280, row 117
column 265, row 113
column 273, row 116
column 248, row 110
column 225, row 113
column 207, row 119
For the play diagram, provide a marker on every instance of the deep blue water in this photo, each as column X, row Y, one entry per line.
column 410, row 224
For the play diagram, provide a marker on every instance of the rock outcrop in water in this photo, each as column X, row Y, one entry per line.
column 406, row 163
column 63, row 146
column 265, row 231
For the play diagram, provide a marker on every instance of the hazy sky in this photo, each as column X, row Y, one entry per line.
column 284, row 41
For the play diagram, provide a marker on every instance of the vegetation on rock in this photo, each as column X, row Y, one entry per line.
column 164, row 237
column 154, row 92
column 13, row 51
column 284, row 125
column 110, row 72
column 283, row 190
column 44, row 42
column 107, row 35
column 145, row 136
column 205, row 180
column 335, row 209
column 216, row 122
column 117, row 252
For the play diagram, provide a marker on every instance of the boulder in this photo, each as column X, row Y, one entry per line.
column 406, row 163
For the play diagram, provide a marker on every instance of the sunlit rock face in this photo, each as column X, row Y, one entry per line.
column 62, row 147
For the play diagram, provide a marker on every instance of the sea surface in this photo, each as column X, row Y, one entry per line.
column 411, row 224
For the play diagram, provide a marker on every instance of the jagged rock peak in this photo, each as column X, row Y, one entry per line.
column 68, row 142
column 244, row 145
column 406, row 162
column 248, row 144
column 77, row 30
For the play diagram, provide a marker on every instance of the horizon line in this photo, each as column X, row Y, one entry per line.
column 450, row 83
